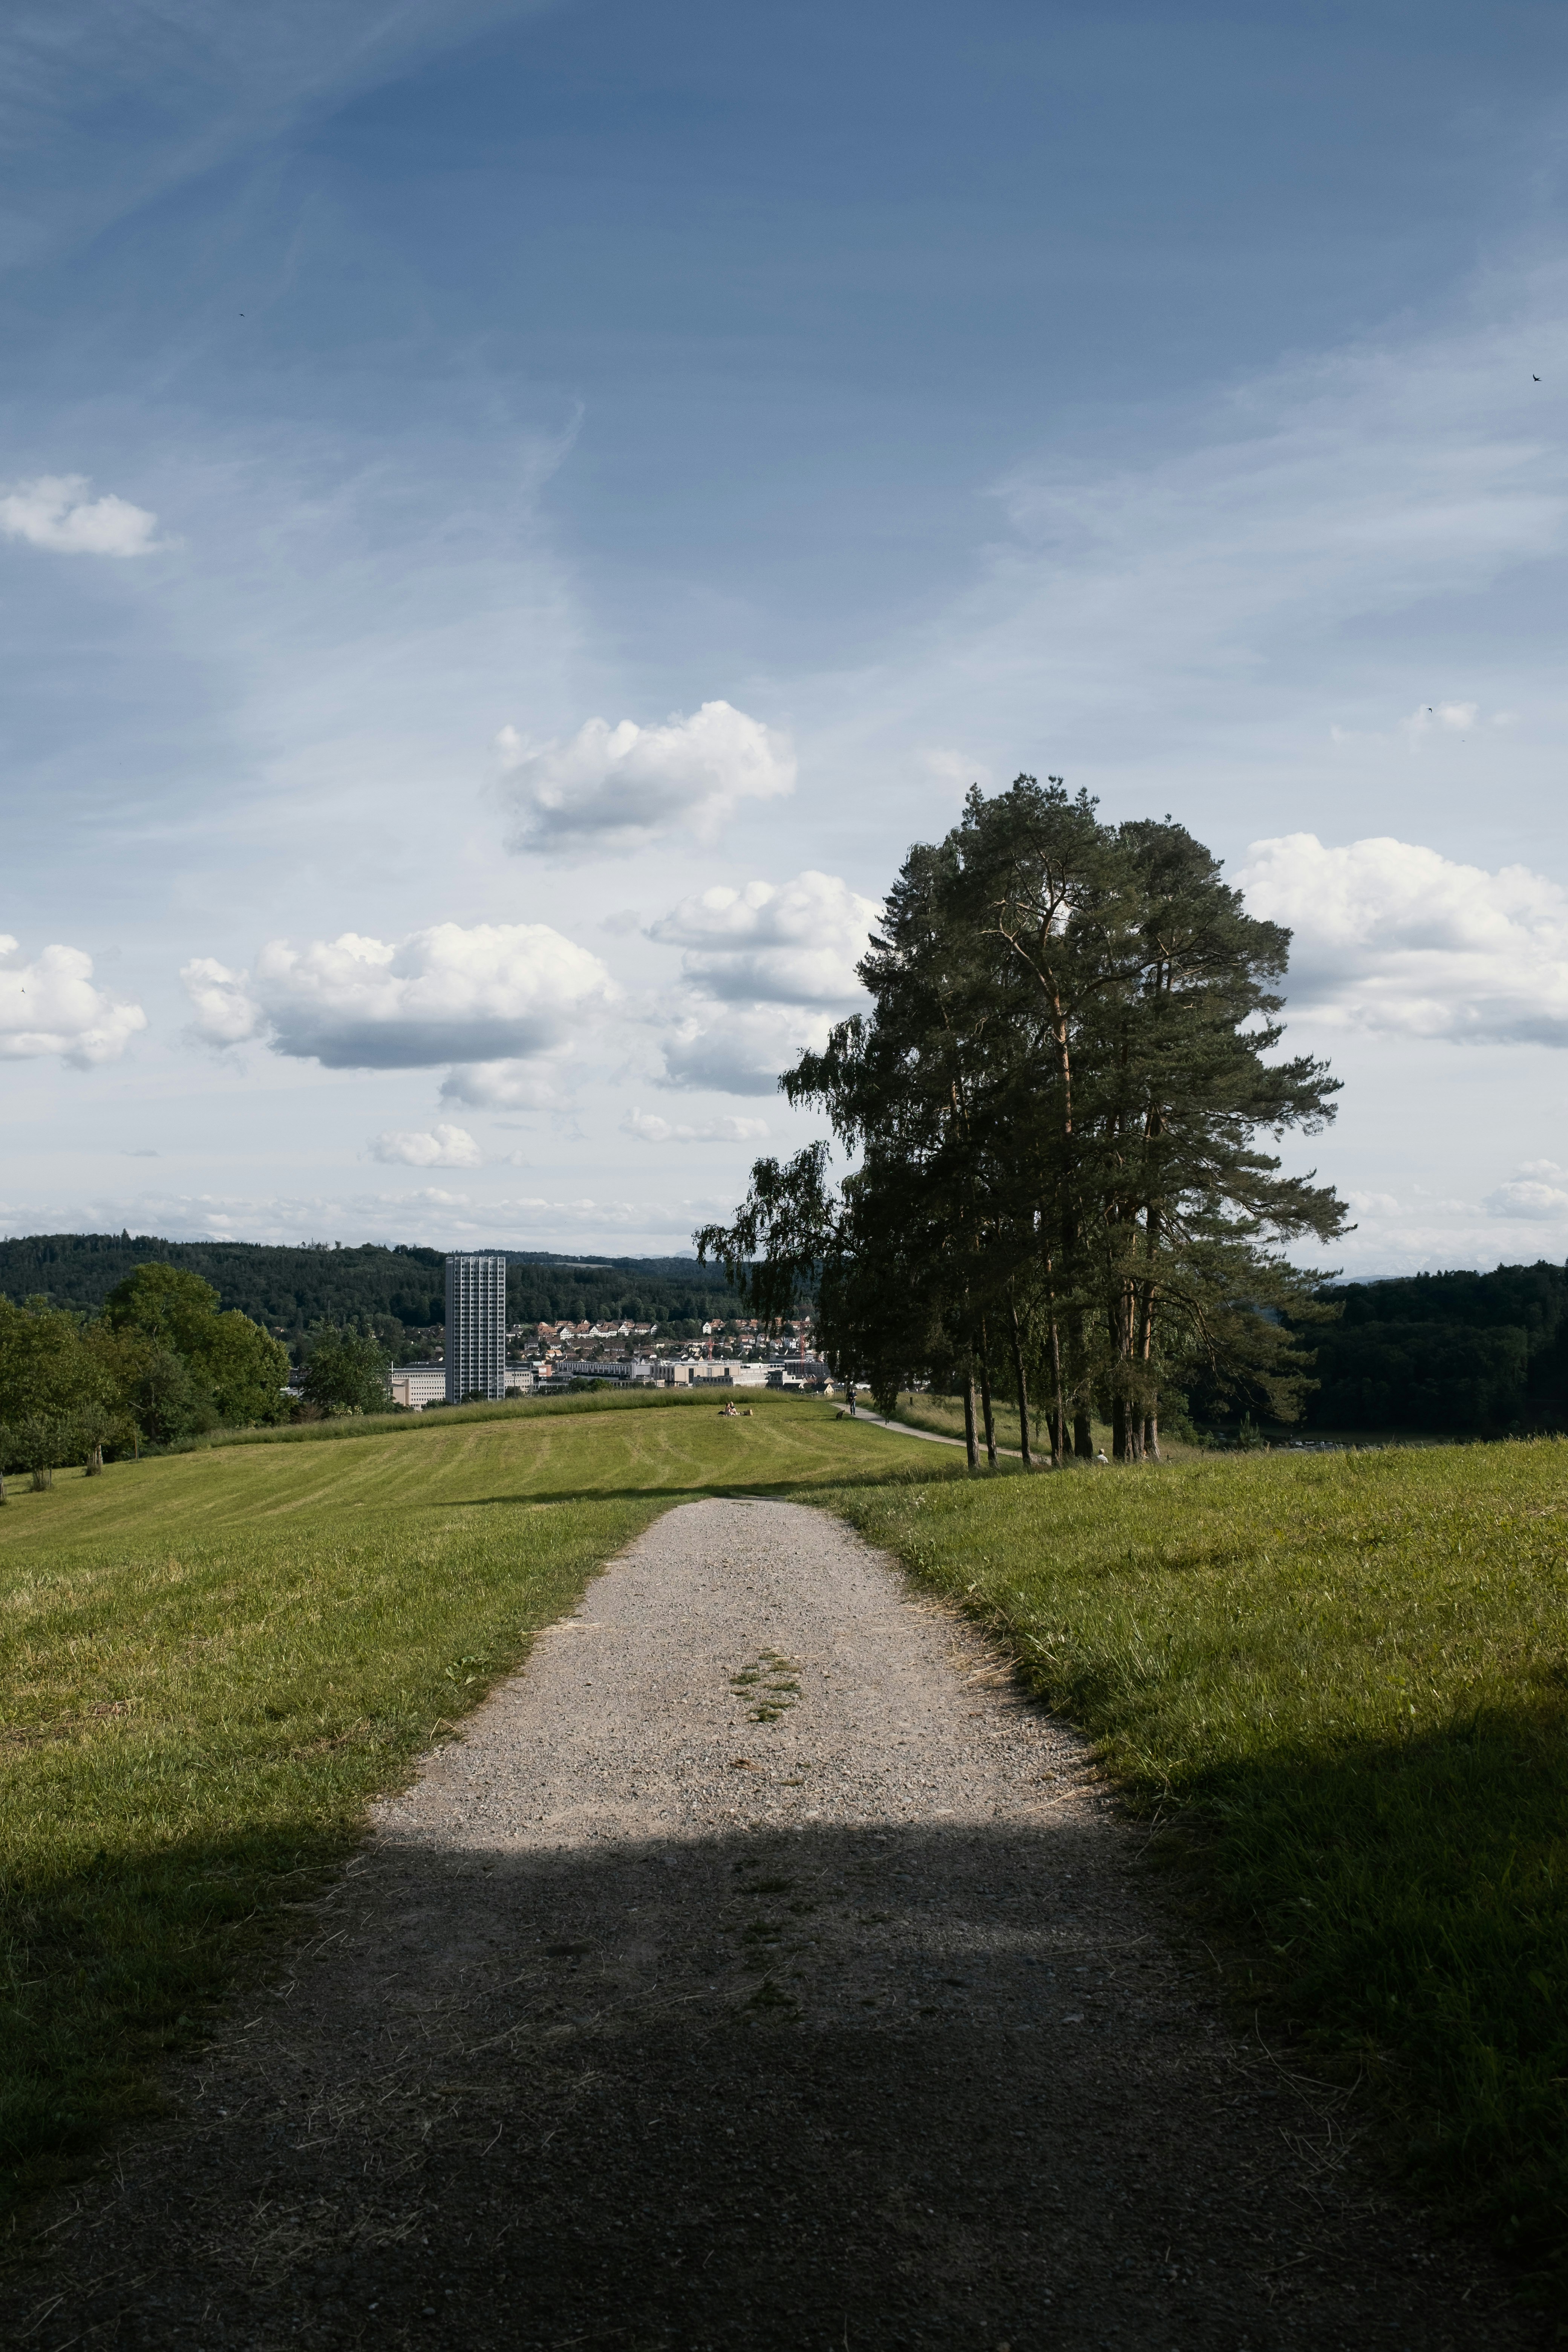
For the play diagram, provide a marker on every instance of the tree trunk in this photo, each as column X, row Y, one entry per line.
column 1151, row 1436
column 1058, row 1402
column 95, row 1461
column 1082, row 1434
column 1127, row 1430
column 968, row 1439
column 985, row 1400
column 1023, row 1388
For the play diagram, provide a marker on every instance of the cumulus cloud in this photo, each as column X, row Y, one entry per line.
column 1528, row 1196
column 491, row 992
column 1394, row 937
column 226, row 1012
column 739, row 1050
column 55, row 512
column 507, row 1086
column 797, row 944
column 50, row 1006
column 437, row 1146
column 618, row 787
column 648, row 1127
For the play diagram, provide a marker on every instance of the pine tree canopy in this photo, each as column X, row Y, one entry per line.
column 1053, row 1111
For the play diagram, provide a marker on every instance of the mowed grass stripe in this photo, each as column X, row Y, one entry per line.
column 209, row 1663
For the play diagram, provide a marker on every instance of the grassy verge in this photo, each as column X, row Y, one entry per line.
column 209, row 1663
column 1348, row 1677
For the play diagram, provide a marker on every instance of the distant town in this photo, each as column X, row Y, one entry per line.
column 736, row 1352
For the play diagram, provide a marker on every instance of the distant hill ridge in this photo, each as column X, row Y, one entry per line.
column 288, row 1287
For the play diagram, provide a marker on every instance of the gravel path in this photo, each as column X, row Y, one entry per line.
column 757, row 1971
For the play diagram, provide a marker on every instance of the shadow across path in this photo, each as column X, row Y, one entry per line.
column 759, row 1971
column 781, row 2087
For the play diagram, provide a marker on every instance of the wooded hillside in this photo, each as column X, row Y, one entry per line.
column 1478, row 1355
column 288, row 1290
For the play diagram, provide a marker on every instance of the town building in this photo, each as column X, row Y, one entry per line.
column 731, row 1373
column 417, row 1385
column 476, row 1325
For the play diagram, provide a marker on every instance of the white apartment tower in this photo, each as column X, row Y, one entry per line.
column 476, row 1325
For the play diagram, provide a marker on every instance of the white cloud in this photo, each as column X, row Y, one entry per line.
column 619, row 787
column 507, row 1085
column 735, row 1050
column 439, row 1147
column 495, row 992
column 1526, row 1197
column 55, row 512
column 797, row 944
column 226, row 1013
column 1392, row 936
column 648, row 1127
column 50, row 1006
column 1442, row 719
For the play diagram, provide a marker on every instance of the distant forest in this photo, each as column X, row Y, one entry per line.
column 401, row 1291
column 1459, row 1355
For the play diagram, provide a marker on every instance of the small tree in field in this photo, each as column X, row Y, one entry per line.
column 42, row 1443
column 95, row 1427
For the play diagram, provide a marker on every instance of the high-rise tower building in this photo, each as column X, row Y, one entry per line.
column 476, row 1325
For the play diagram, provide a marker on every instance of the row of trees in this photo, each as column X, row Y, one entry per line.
column 161, row 1364
column 1051, row 1107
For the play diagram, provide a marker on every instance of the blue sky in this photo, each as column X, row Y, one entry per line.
column 512, row 519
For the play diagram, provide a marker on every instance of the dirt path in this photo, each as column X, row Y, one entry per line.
column 759, row 1970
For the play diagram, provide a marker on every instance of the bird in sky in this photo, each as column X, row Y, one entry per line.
column 1535, row 379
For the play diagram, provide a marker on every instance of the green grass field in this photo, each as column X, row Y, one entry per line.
column 1344, row 1679
column 1341, row 1681
column 209, row 1662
